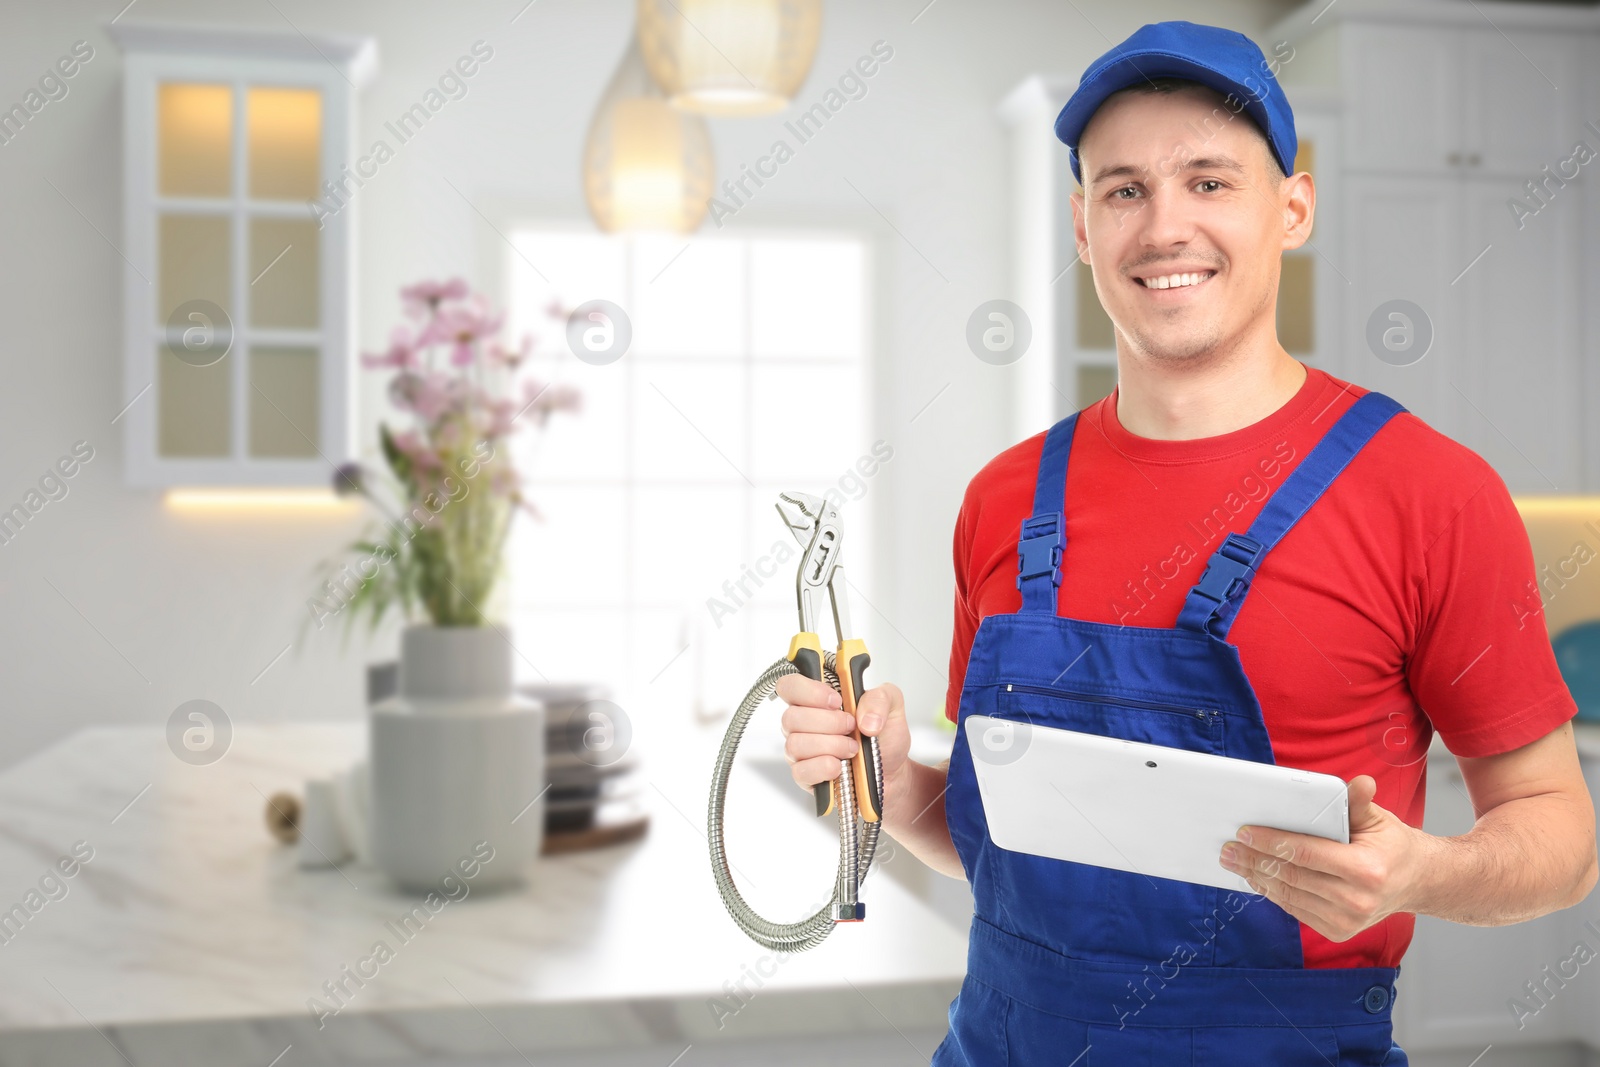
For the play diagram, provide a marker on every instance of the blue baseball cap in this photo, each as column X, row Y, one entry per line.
column 1224, row 60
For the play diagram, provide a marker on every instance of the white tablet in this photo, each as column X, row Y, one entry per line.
column 1148, row 809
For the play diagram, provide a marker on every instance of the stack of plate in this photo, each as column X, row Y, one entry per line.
column 594, row 781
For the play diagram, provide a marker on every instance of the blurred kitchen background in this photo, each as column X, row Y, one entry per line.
column 747, row 242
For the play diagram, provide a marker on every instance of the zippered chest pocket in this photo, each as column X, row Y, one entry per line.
column 1197, row 729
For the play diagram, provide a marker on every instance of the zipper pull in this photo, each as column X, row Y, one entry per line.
column 1008, row 687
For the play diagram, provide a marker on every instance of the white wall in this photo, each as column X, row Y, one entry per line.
column 175, row 606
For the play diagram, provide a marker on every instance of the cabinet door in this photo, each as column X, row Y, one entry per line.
column 237, row 300
column 1404, row 85
column 1456, row 981
column 1403, row 242
column 1519, row 101
column 1520, row 335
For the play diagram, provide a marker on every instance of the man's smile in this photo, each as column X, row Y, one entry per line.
column 1170, row 285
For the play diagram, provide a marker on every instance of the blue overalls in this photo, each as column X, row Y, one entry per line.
column 1070, row 964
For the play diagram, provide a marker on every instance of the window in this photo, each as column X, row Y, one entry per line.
column 655, row 567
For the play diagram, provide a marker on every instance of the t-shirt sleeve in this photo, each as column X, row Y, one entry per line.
column 966, row 621
column 1483, row 669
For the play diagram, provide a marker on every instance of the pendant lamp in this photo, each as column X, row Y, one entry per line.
column 646, row 164
column 730, row 57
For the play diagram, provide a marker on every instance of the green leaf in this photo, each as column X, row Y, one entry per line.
column 399, row 462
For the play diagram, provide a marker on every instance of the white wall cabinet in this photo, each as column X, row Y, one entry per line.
column 1429, row 97
column 1403, row 93
column 1521, row 328
column 1452, row 112
column 238, row 298
column 1403, row 241
column 1504, row 371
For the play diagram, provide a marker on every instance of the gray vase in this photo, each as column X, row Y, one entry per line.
column 457, row 766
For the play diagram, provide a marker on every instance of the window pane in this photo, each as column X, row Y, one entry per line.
column 283, row 403
column 192, row 407
column 284, row 277
column 798, row 441
column 686, row 544
column 688, row 304
column 689, row 422
column 577, row 556
column 194, row 140
column 584, row 445
column 768, row 560
column 195, row 258
column 807, row 297
column 285, row 139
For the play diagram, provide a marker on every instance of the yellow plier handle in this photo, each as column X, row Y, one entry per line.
column 851, row 660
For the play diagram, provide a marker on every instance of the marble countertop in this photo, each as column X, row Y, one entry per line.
column 189, row 935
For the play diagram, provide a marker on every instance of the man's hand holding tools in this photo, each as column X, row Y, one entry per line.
column 819, row 732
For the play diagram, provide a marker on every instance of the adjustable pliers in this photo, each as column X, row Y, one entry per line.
column 817, row 526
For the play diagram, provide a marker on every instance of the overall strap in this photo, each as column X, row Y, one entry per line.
column 1214, row 602
column 1044, row 533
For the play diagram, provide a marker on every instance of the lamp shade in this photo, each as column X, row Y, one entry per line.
column 646, row 164
column 729, row 57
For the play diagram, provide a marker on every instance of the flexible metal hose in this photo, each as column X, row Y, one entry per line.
column 857, row 840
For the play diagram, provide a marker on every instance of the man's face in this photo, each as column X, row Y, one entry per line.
column 1180, row 184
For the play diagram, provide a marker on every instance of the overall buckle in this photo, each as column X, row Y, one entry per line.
column 1229, row 568
column 1040, row 546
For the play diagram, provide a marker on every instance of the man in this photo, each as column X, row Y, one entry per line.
column 1327, row 575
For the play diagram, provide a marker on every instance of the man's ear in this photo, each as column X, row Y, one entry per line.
column 1079, row 224
column 1299, row 195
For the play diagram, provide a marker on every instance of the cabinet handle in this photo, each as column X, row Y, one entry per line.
column 1454, row 159
column 1473, row 159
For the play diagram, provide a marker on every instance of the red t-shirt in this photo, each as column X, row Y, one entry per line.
column 1402, row 603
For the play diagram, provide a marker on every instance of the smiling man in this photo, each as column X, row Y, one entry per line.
column 1327, row 579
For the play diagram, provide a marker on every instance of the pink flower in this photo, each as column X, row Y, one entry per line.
column 540, row 399
column 462, row 327
column 429, row 395
column 448, row 434
column 502, row 414
column 414, row 448
column 402, row 352
column 425, row 297
column 511, row 357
